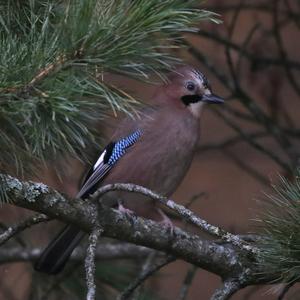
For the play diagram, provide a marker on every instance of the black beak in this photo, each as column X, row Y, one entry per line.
column 212, row 99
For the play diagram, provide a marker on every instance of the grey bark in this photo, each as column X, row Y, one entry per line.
column 228, row 259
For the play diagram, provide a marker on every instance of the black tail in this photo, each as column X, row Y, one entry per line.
column 57, row 253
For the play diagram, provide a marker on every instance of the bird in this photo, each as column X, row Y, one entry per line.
column 153, row 150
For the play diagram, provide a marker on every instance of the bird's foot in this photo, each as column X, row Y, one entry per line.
column 166, row 221
column 125, row 210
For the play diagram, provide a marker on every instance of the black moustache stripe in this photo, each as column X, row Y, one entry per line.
column 188, row 99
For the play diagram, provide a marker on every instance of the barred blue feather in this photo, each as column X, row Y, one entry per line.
column 121, row 146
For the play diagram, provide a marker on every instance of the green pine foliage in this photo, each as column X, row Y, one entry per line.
column 53, row 58
column 279, row 243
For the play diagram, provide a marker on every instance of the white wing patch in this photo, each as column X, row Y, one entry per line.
column 100, row 160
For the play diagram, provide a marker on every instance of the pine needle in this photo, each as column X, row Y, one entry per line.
column 280, row 225
column 51, row 54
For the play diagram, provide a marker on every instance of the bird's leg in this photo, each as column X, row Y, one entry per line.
column 166, row 221
column 123, row 209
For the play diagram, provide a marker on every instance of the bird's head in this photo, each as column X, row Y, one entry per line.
column 191, row 89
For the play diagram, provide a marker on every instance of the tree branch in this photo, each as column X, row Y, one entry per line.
column 147, row 264
column 144, row 275
column 219, row 257
column 90, row 266
column 181, row 210
column 187, row 282
column 190, row 247
column 257, row 60
column 15, row 229
column 107, row 251
column 227, row 290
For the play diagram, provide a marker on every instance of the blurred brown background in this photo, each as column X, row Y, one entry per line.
column 223, row 173
column 260, row 39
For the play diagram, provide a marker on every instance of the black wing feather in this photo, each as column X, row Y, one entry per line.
column 96, row 173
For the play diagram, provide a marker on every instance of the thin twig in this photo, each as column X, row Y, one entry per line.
column 278, row 38
column 58, row 280
column 274, row 129
column 222, row 77
column 18, row 239
column 244, row 46
column 253, row 143
column 228, row 288
column 180, row 209
column 90, row 266
column 105, row 251
column 257, row 60
column 187, row 282
column 231, row 29
column 57, row 65
column 238, row 113
column 245, row 100
column 15, row 229
column 144, row 275
column 263, row 6
column 194, row 198
column 148, row 262
column 42, row 74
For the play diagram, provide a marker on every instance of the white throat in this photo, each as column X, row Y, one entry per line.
column 196, row 108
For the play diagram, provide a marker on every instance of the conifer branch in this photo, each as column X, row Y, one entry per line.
column 50, row 93
column 220, row 257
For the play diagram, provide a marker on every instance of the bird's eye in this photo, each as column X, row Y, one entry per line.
column 191, row 86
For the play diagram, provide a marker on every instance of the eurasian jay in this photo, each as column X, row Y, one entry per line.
column 154, row 150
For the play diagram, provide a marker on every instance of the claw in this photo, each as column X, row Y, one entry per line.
column 166, row 221
column 125, row 210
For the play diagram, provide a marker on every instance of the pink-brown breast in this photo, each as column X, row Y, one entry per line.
column 159, row 159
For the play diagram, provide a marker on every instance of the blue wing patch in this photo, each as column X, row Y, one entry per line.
column 121, row 146
column 111, row 154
